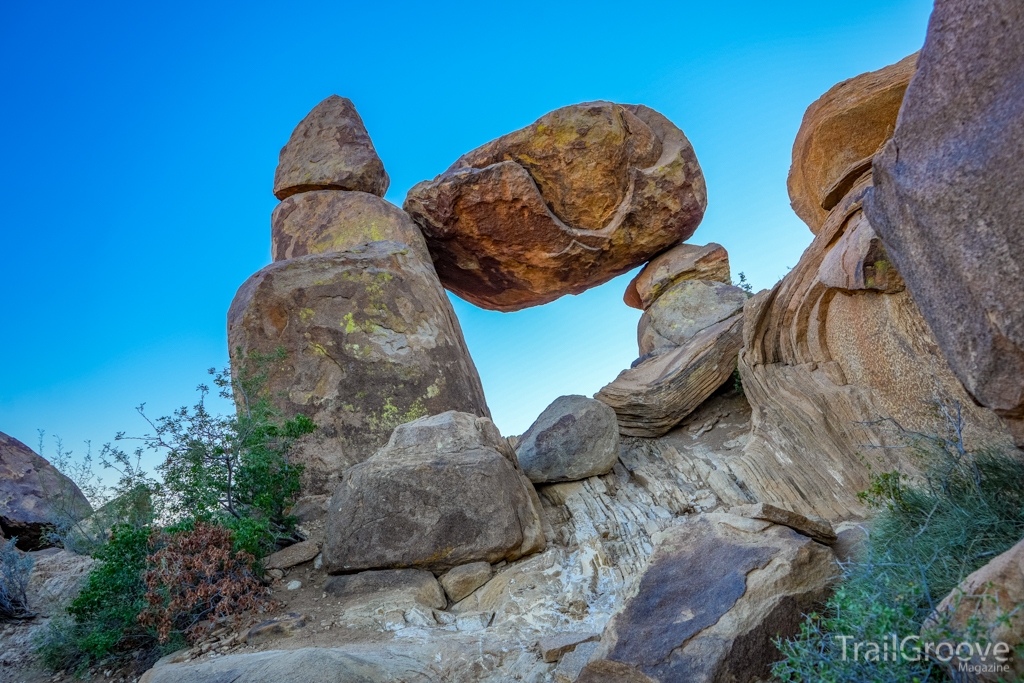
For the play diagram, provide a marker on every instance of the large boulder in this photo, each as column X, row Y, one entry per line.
column 327, row 220
column 685, row 309
column 949, row 196
column 840, row 133
column 574, row 438
column 655, row 395
column 581, row 195
column 330, row 150
column 34, row 496
column 716, row 593
column 444, row 491
column 372, row 342
column 683, row 262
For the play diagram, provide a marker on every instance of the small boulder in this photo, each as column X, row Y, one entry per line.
column 815, row 527
column 293, row 555
column 684, row 310
column 273, row 629
column 330, row 150
column 394, row 586
column 464, row 579
column 574, row 438
column 444, row 491
column 572, row 663
column 682, row 262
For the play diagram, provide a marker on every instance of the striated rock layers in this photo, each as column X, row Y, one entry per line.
column 582, row 195
column 34, row 496
column 949, row 196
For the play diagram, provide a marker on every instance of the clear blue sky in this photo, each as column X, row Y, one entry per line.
column 140, row 141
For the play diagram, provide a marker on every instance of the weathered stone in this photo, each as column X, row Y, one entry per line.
column 553, row 647
column 34, row 496
column 949, row 196
column 474, row 621
column 572, row 663
column 292, row 555
column 574, row 438
column 684, row 310
column 986, row 608
column 817, row 528
column 859, row 262
column 464, row 579
column 840, row 133
column 657, row 394
column 330, row 150
column 716, row 593
column 372, row 342
column 443, row 492
column 55, row 580
column 272, row 629
column 414, row 585
column 327, row 220
column 682, row 262
column 582, row 195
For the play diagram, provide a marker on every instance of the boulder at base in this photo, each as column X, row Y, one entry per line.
column 574, row 438
column 653, row 397
column 583, row 194
column 444, row 491
column 684, row 310
column 717, row 591
column 34, row 495
column 372, row 342
column 330, row 150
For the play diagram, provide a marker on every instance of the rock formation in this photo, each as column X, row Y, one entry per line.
column 34, row 496
column 582, row 195
column 444, row 491
column 330, row 150
column 949, row 196
column 683, row 262
column 683, row 310
column 574, row 438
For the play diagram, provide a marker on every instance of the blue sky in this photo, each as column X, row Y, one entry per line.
column 140, row 141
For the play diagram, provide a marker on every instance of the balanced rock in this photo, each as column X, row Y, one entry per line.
column 840, row 134
column 655, row 395
column 330, row 150
column 684, row 310
column 949, row 196
column 372, row 342
column 326, row 220
column 716, row 593
column 444, row 491
column 34, row 496
column 583, row 194
column 574, row 438
column 683, row 262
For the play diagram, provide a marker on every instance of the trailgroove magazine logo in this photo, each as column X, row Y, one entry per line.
column 970, row 657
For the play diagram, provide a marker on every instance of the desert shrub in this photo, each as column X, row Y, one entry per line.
column 15, row 568
column 196, row 578
column 927, row 536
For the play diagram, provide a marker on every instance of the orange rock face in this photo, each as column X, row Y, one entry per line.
column 684, row 262
column 582, row 195
column 840, row 134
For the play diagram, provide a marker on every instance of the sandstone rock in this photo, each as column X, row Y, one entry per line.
column 682, row 262
column 372, row 342
column 553, row 647
column 393, row 586
column 474, row 621
column 570, row 666
column 464, row 579
column 684, row 310
column 582, row 195
column 822, row 367
column 330, row 150
column 657, row 394
column 859, row 262
column 717, row 591
column 814, row 527
column 840, row 134
column 292, row 555
column 443, row 492
column 986, row 608
column 55, row 580
column 323, row 221
column 949, row 196
column 34, row 495
column 574, row 438
column 272, row 629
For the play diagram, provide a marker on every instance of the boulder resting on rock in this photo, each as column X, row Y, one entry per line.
column 574, row 438
column 682, row 262
column 683, row 310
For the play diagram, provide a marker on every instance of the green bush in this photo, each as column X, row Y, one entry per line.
column 927, row 537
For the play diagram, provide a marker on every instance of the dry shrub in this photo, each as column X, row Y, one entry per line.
column 197, row 579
